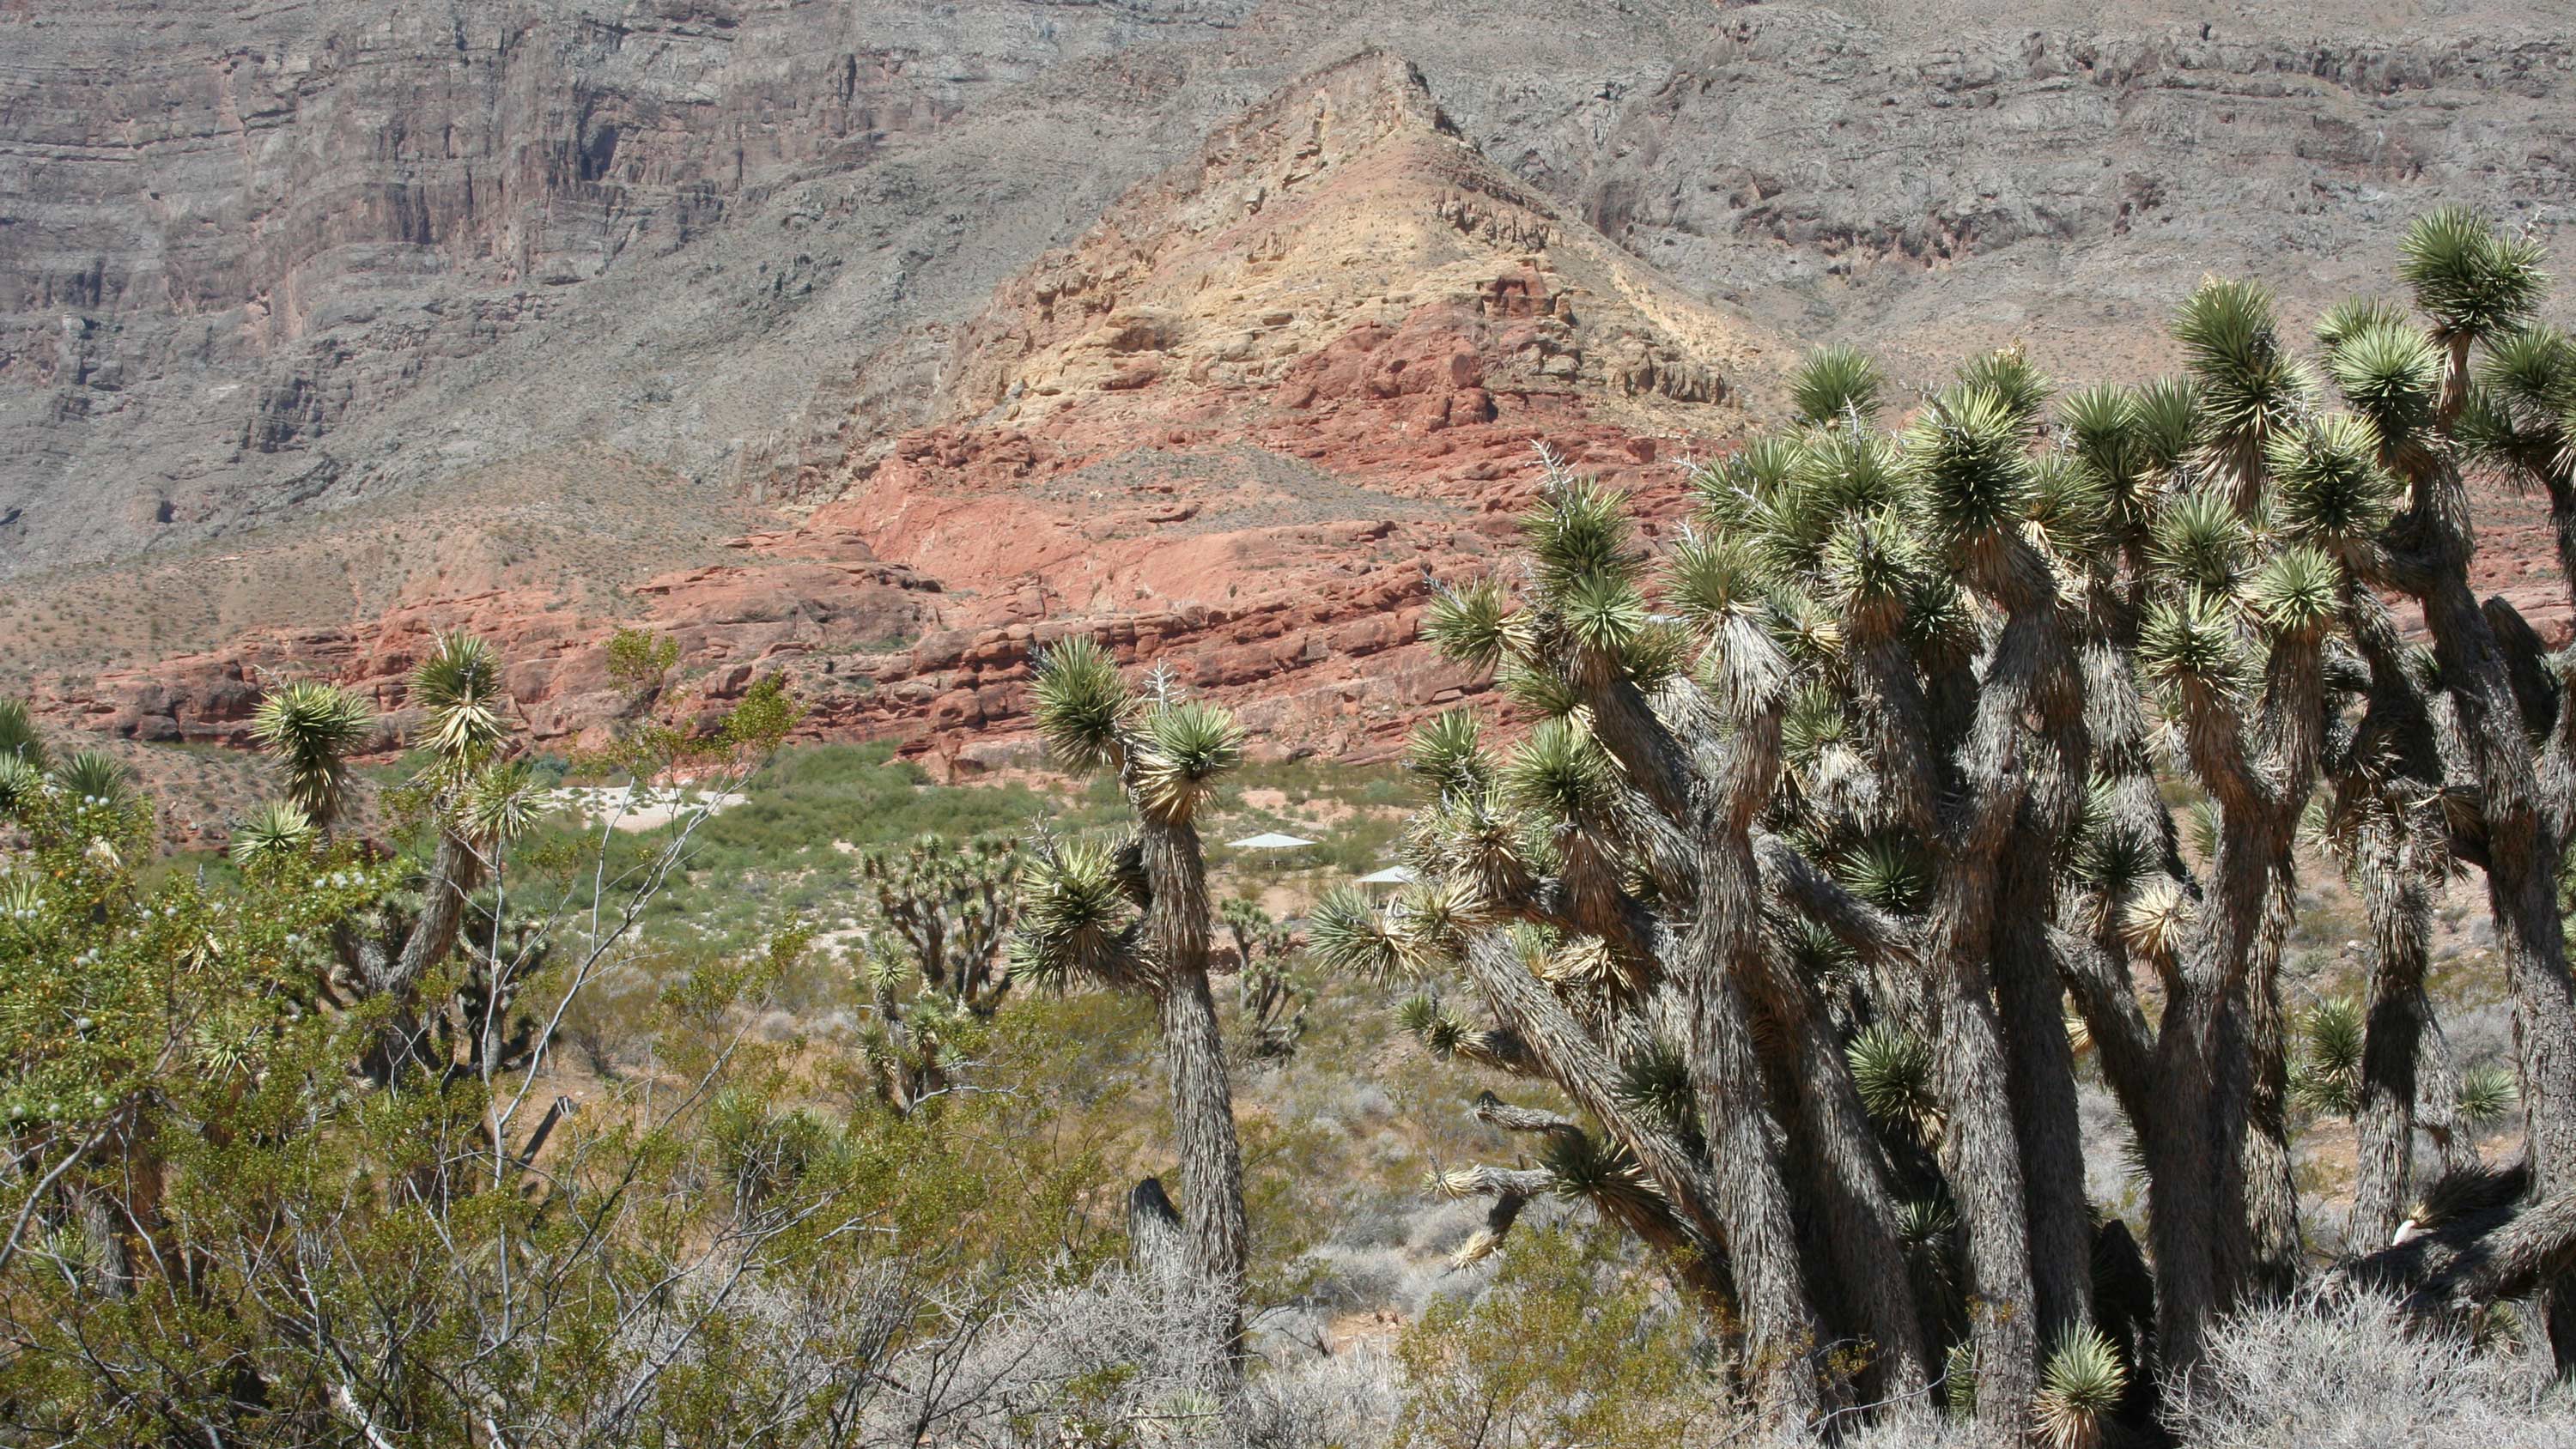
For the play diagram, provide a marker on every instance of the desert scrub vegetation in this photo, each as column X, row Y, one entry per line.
column 1839, row 878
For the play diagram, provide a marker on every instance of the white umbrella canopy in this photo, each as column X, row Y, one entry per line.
column 1392, row 875
column 1269, row 840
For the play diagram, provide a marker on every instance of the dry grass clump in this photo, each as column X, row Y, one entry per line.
column 2349, row 1371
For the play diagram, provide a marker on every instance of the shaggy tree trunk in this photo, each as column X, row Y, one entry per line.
column 2031, row 1003
column 2181, row 1130
column 2262, row 1259
column 2522, row 853
column 1157, row 1243
column 2392, row 766
column 1847, row 1191
column 2040, row 1068
column 454, row 871
column 1980, row 1149
column 1203, row 1118
column 1752, row 1196
column 1176, row 930
column 2393, row 895
column 1569, row 1057
column 2501, row 1250
column 1981, row 1157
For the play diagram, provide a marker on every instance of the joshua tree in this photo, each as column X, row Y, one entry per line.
column 19, row 739
column 475, row 799
column 942, row 913
column 311, row 727
column 1136, row 916
column 1790, row 883
column 951, row 906
column 1272, row 1005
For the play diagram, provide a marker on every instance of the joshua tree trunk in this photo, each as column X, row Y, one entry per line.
column 2393, row 764
column 2180, row 1130
column 1981, row 1155
column 1752, row 1197
column 1560, row 1047
column 454, row 871
column 1981, row 1158
column 2384, row 1122
column 2522, row 854
column 1847, row 1189
column 1176, row 928
column 1203, row 1115
column 2040, row 1072
column 2263, row 1260
column 1981, row 1150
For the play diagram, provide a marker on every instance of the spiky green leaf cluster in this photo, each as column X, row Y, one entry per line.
column 2326, row 1074
column 2467, row 274
column 2193, row 641
column 276, row 833
column 2487, row 1093
column 1187, row 746
column 2330, row 487
column 1075, row 908
column 1081, row 703
column 1969, row 453
column 2390, row 374
column 499, row 803
column 1447, row 752
column 2297, row 591
column 22, row 781
column 312, row 728
column 1836, row 384
column 1585, row 1168
column 2110, row 855
column 458, row 687
column 2009, row 374
column 2074, row 512
column 2080, row 1389
column 19, row 737
column 1892, row 1070
column 1709, row 575
column 1561, row 774
column 1886, row 871
column 1829, row 477
column 2200, row 540
column 1347, row 934
column 2166, row 418
column 1581, row 534
column 1471, row 624
column 1658, row 1083
column 2251, row 387
column 1603, row 614
column 94, row 777
column 1872, row 565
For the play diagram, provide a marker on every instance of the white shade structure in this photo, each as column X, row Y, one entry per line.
column 1269, row 840
column 1392, row 875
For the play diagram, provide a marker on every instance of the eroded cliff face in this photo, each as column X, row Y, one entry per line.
column 2061, row 184
column 262, row 257
column 881, row 343
column 1239, row 427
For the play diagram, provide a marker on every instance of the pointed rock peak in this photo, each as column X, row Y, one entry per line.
column 1336, row 109
column 1341, row 206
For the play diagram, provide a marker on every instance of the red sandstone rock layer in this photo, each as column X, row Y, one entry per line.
column 1239, row 430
